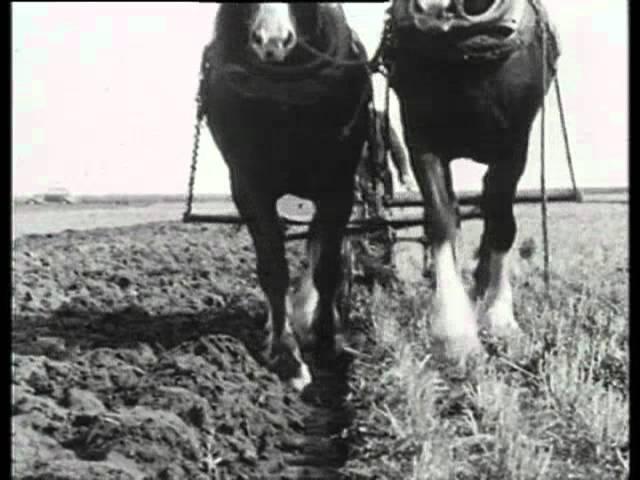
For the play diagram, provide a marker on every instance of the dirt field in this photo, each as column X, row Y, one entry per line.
column 133, row 358
column 55, row 218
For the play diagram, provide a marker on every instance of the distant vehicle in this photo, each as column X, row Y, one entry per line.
column 58, row 195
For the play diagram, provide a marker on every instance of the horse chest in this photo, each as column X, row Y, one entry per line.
column 454, row 95
column 463, row 108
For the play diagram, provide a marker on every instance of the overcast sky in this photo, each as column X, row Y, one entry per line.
column 103, row 96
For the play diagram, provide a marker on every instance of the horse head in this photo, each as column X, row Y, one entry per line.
column 442, row 16
column 272, row 33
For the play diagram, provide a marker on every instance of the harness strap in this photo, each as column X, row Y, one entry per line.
column 543, row 187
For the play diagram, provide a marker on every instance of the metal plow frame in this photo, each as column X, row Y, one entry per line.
column 363, row 225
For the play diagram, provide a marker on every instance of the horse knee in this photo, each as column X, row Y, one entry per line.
column 501, row 231
column 500, row 221
column 440, row 211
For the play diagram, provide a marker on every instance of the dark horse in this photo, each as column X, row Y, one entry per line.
column 285, row 96
column 470, row 76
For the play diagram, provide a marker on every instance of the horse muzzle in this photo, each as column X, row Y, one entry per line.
column 273, row 49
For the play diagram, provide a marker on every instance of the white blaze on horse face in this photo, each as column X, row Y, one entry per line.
column 454, row 323
column 273, row 33
column 498, row 300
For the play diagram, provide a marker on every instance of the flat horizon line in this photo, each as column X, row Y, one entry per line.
column 227, row 196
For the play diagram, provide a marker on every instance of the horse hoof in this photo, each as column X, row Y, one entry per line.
column 286, row 361
column 302, row 379
column 460, row 352
column 306, row 338
column 500, row 322
column 291, row 370
column 329, row 353
column 463, row 348
column 454, row 329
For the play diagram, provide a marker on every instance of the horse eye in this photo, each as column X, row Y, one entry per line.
column 288, row 40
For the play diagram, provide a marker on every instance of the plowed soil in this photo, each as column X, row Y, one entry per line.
column 134, row 357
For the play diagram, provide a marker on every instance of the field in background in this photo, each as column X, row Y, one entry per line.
column 123, row 210
column 124, row 199
column 55, row 218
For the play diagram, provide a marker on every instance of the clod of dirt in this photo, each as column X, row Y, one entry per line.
column 84, row 401
column 123, row 282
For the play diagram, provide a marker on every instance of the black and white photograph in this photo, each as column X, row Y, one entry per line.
column 320, row 240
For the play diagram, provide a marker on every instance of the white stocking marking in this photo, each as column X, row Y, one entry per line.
column 455, row 321
column 498, row 301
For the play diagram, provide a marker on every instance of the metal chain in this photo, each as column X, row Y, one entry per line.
column 192, row 173
column 196, row 145
column 203, row 76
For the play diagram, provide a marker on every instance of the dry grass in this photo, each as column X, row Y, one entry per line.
column 560, row 410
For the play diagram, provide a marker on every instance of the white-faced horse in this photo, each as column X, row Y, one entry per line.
column 285, row 97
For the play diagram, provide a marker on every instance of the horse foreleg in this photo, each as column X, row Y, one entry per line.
column 492, row 272
column 302, row 302
column 282, row 352
column 453, row 326
column 327, row 232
